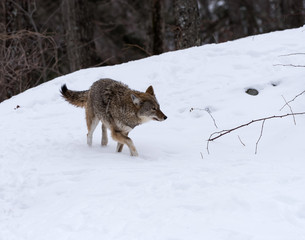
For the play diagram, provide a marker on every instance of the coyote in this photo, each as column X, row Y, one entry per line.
column 118, row 107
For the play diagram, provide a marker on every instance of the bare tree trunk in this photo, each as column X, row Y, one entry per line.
column 79, row 33
column 2, row 47
column 267, row 21
column 187, row 23
column 292, row 13
column 157, row 26
column 235, row 19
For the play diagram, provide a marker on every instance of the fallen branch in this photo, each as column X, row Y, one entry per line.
column 224, row 132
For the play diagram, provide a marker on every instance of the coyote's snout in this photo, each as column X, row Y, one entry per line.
column 119, row 108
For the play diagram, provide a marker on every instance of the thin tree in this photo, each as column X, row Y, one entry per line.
column 292, row 13
column 78, row 33
column 187, row 23
column 157, row 26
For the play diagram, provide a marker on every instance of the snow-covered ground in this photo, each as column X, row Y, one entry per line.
column 53, row 186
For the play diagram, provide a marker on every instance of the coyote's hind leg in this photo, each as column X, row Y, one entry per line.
column 92, row 122
column 119, row 147
column 104, row 135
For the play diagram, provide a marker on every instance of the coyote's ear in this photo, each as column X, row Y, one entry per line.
column 150, row 90
column 136, row 101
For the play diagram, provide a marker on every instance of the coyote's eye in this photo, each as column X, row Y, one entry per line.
column 154, row 109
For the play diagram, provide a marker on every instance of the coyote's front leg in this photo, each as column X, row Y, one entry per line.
column 123, row 139
column 120, row 146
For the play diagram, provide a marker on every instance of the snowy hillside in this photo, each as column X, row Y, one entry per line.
column 53, row 186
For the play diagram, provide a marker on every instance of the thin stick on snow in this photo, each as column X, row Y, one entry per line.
column 241, row 141
column 260, row 136
column 288, row 65
column 290, row 110
column 293, row 99
column 207, row 148
column 225, row 132
column 208, row 111
column 291, row 54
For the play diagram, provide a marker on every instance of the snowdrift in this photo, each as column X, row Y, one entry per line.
column 53, row 186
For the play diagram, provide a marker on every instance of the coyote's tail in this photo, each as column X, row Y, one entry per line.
column 76, row 98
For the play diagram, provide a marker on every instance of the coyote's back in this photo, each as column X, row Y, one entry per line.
column 118, row 107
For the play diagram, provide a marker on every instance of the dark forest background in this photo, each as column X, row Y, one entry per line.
column 43, row 39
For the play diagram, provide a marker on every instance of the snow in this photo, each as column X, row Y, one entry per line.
column 53, row 186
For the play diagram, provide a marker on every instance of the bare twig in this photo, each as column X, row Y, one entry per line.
column 207, row 148
column 292, row 99
column 290, row 110
column 241, row 141
column 103, row 62
column 208, row 111
column 224, row 132
column 288, row 65
column 291, row 54
column 138, row 47
column 260, row 136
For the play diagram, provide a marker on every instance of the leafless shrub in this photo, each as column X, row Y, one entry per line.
column 26, row 59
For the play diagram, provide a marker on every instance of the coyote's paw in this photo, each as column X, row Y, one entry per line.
column 89, row 141
column 134, row 153
column 104, row 142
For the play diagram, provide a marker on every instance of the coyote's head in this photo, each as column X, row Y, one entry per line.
column 148, row 106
